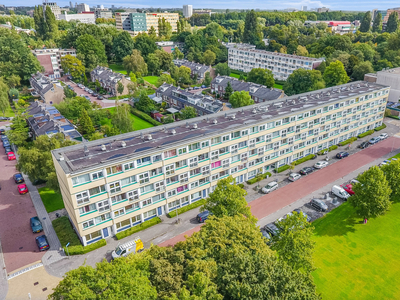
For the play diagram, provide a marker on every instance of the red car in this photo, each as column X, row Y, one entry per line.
column 22, row 189
column 348, row 188
column 11, row 156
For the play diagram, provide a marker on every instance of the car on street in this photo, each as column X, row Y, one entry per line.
column 42, row 243
column 100, row 97
column 22, row 189
column 383, row 136
column 2, row 131
column 87, row 98
column 266, row 235
column 319, row 205
column 272, row 186
column 342, row 154
column 321, row 164
column 294, row 176
column 4, row 138
column 201, row 217
column 299, row 211
column 4, row 119
column 7, row 149
column 11, row 156
column 374, row 140
column 283, row 218
column 18, row 178
column 36, row 225
column 6, row 143
column 95, row 94
column 348, row 188
column 271, row 229
column 354, row 181
column 69, row 77
column 364, row 145
column 306, row 170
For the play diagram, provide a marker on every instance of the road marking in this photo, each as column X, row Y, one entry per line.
column 20, row 272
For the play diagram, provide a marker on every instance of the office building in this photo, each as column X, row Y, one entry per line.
column 187, row 11
column 112, row 184
column 49, row 90
column 102, row 13
column 84, row 17
column 135, row 22
column 55, row 9
column 389, row 77
column 50, row 60
column 304, row 8
column 244, row 57
column 82, row 8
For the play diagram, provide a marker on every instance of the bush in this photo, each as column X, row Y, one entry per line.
column 281, row 169
column 144, row 116
column 186, row 208
column 258, row 178
column 394, row 117
column 334, row 147
column 383, row 126
column 348, row 141
column 137, row 228
column 241, row 185
column 369, row 132
column 77, row 250
column 301, row 160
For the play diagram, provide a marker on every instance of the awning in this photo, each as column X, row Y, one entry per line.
column 172, row 110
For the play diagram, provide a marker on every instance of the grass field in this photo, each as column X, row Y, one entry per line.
column 65, row 232
column 151, row 79
column 117, row 68
column 137, row 122
column 357, row 261
column 51, row 199
column 9, row 113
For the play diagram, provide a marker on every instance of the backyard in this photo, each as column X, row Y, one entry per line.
column 52, row 200
column 138, row 123
column 117, row 68
column 357, row 261
column 151, row 79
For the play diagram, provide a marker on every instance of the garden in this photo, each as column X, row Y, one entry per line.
column 138, row 123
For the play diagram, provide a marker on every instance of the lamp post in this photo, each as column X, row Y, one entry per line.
column 66, row 246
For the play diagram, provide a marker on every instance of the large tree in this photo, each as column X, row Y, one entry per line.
column 252, row 31
column 45, row 23
column 164, row 58
column 123, row 45
column 181, row 74
column 261, row 76
column 361, row 69
column 393, row 22
column 145, row 104
column 4, row 103
column 222, row 69
column 372, row 194
column 228, row 91
column 366, row 22
column 209, row 58
column 145, row 44
column 188, row 112
column 90, row 51
column 165, row 78
column 392, row 174
column 20, row 131
column 239, row 99
column 135, row 63
column 335, row 74
column 121, row 118
column 302, row 81
column 85, row 127
column 377, row 26
column 73, row 66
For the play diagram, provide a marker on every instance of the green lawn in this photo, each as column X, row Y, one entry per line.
column 277, row 86
column 151, row 79
column 51, row 199
column 9, row 113
column 138, row 123
column 117, row 68
column 65, row 232
column 357, row 261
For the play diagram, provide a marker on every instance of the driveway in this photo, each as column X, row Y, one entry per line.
column 80, row 91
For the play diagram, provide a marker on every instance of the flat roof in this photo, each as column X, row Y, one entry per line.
column 132, row 145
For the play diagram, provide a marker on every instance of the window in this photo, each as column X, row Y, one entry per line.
column 216, row 164
column 115, row 187
column 114, row 170
column 204, row 180
column 119, row 212
column 93, row 235
column 129, row 166
column 117, row 198
column 144, row 178
column 147, row 188
column 216, row 140
column 88, row 224
column 143, row 161
column 87, row 208
column 80, row 179
column 194, row 147
column 243, row 156
column 156, row 171
column 128, row 180
column 214, row 155
column 252, row 143
column 160, row 186
column 82, row 197
column 226, row 138
column 203, row 156
column 234, row 149
column 97, row 175
column 150, row 213
column 184, row 177
column 123, row 223
column 171, row 193
column 268, row 138
column 103, row 218
column 156, row 158
column 194, row 185
column 205, row 170
column 97, row 190
column 182, row 151
column 243, row 144
column 225, row 163
column 245, row 132
column 235, row 135
column 181, row 164
column 214, row 177
column 169, row 170
column 103, row 206
column 133, row 195
column 174, row 203
column 196, row 195
column 170, row 153
column 205, row 144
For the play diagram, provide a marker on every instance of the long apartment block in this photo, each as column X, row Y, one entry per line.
column 112, row 184
column 244, row 57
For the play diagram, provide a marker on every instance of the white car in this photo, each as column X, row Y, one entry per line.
column 321, row 164
column 294, row 176
column 284, row 217
column 383, row 136
column 272, row 186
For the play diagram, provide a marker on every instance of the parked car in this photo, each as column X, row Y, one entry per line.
column 284, row 217
column 100, row 97
column 319, row 205
column 38, row 181
column 340, row 192
column 348, row 188
column 342, row 154
column 22, row 189
column 42, row 243
column 294, row 176
column 6, row 143
column 11, row 156
column 95, row 94
column 383, row 136
column 18, row 178
column 4, row 119
column 374, row 140
column 203, row 86
column 36, row 225
column 271, row 229
column 87, row 98
column 135, row 246
column 7, row 149
column 2, row 131
column 299, row 211
column 306, row 170
column 272, row 186
column 321, row 164
column 201, row 217
column 385, row 162
column 354, row 181
column 364, row 145
column 69, row 77
column 4, row 138
column 265, row 235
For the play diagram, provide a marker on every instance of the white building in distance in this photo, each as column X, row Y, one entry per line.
column 86, row 17
column 82, row 8
column 187, row 11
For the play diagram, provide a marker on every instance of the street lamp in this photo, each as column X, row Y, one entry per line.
column 66, row 246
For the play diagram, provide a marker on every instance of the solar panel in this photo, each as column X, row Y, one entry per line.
column 142, row 149
column 116, row 156
column 67, row 127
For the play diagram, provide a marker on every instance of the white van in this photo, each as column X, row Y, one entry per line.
column 340, row 192
column 124, row 249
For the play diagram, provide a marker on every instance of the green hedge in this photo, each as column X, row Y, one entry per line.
column 144, row 116
column 304, row 159
column 186, row 208
column 394, row 117
column 348, row 141
column 383, row 126
column 281, row 169
column 369, row 132
column 77, row 250
column 137, row 228
column 241, row 185
column 333, row 147
column 259, row 178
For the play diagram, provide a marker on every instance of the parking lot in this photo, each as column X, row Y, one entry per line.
column 79, row 91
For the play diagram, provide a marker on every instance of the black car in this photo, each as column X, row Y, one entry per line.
column 364, row 145
column 271, row 229
column 100, row 97
column 42, row 243
column 7, row 149
column 38, row 181
column 95, row 94
column 36, row 225
column 341, row 155
column 266, row 235
column 319, row 205
column 298, row 210
column 306, row 170
column 18, row 178
column 2, row 131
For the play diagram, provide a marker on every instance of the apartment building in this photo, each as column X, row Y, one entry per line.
column 50, row 91
column 50, row 60
column 244, row 57
column 135, row 22
column 389, row 77
column 55, row 9
column 112, row 184
column 102, row 13
column 187, row 11
column 82, row 7
column 202, row 12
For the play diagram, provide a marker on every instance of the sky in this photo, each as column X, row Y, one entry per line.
column 234, row 4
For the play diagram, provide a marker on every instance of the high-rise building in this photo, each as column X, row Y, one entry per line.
column 202, row 12
column 187, row 11
column 82, row 8
column 70, row 4
column 322, row 9
column 56, row 10
column 304, row 8
column 115, row 183
column 50, row 60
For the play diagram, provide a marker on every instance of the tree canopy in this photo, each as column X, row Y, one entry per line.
column 239, row 99
column 301, row 81
column 335, row 74
column 261, row 76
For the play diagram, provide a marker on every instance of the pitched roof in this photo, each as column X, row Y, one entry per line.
column 198, row 68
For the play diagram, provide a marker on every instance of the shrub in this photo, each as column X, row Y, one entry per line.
column 348, row 141
column 301, row 160
column 186, row 208
column 144, row 116
column 333, row 147
column 137, row 228
column 241, row 185
column 258, row 178
column 394, row 117
column 281, row 169
column 77, row 250
column 383, row 126
column 369, row 132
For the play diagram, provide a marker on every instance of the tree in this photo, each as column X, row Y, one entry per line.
column 209, row 57
column 392, row 174
column 335, row 74
column 165, row 78
column 222, row 69
column 145, row 44
column 393, row 22
column 294, row 244
column 361, row 69
column 120, row 87
column 168, row 119
column 123, row 45
column 90, row 51
column 121, row 119
column 68, row 93
column 372, row 194
column 239, row 99
column 145, row 104
column 261, row 76
column 377, row 26
column 252, row 31
column 188, row 112
column 13, row 81
column 20, row 131
column 13, row 93
column 178, row 54
column 135, row 63
column 45, row 23
column 228, row 200
column 365, row 22
column 181, row 74
column 164, row 58
column 85, row 127
column 383, row 64
column 72, row 65
column 153, row 64
column 301, row 50
column 207, row 79
column 228, row 91
column 302, row 81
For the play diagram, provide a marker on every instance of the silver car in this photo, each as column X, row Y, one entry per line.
column 383, row 136
column 272, row 186
column 294, row 176
column 321, row 164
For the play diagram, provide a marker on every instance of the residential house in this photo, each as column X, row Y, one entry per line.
column 109, row 80
column 50, row 91
column 196, row 69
